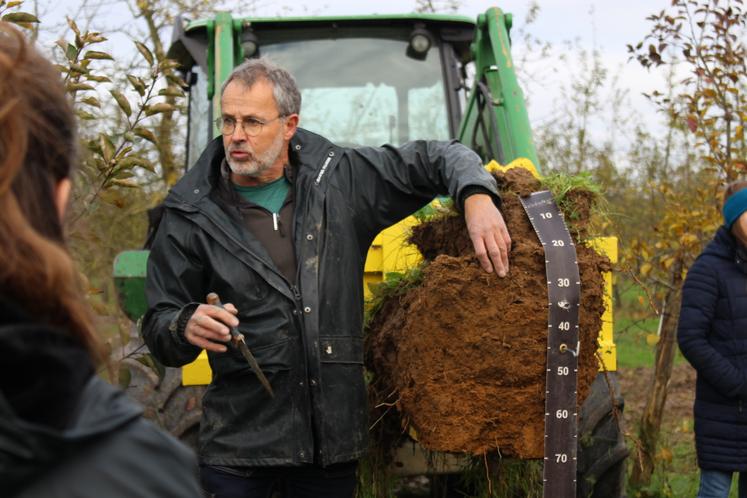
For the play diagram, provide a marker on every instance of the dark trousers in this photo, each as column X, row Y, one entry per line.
column 335, row 481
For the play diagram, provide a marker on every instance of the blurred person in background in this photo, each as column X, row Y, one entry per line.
column 712, row 335
column 64, row 432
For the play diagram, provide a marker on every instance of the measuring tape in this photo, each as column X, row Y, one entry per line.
column 564, row 290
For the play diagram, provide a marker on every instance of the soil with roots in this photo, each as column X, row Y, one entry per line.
column 458, row 360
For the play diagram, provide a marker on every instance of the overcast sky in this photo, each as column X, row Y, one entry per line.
column 604, row 25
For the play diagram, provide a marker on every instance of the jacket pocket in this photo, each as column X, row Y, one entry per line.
column 341, row 349
column 274, row 357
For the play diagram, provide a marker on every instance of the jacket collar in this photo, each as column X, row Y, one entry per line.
column 307, row 153
column 725, row 245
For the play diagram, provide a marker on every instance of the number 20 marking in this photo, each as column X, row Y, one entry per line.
column 558, row 243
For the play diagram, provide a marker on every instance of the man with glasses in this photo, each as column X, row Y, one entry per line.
column 278, row 220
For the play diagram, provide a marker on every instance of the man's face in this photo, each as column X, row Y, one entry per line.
column 259, row 159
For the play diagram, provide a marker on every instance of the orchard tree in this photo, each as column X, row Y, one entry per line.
column 703, row 38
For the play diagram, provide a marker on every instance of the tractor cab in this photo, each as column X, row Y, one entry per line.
column 364, row 81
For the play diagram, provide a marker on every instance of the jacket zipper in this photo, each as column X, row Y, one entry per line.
column 296, row 293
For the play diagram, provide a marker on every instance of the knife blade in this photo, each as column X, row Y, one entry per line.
column 237, row 339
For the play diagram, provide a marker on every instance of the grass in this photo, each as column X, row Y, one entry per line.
column 394, row 284
column 636, row 328
column 562, row 184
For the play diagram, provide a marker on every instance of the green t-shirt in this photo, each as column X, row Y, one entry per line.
column 270, row 196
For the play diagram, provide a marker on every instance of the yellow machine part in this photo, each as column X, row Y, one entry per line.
column 390, row 253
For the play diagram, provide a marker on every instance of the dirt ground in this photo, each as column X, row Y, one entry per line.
column 680, row 397
column 678, row 409
column 469, row 377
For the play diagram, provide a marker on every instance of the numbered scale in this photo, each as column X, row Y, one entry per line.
column 564, row 290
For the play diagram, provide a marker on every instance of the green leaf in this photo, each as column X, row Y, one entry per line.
column 124, row 104
column 92, row 101
column 20, row 17
column 93, row 54
column 137, row 84
column 122, row 153
column 135, row 160
column 114, row 198
column 94, row 37
column 171, row 91
column 125, row 377
column 175, row 79
column 75, row 87
column 77, row 68
column 85, row 115
column 73, row 26
column 107, row 147
column 126, row 183
column 145, row 52
column 150, row 110
column 71, row 52
column 124, row 174
column 146, row 134
column 168, row 64
column 98, row 78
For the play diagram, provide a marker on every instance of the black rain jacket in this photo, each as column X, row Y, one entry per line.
column 306, row 337
column 65, row 433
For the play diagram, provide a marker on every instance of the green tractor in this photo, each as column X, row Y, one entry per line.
column 370, row 80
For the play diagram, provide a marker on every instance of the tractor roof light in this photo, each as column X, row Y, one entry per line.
column 249, row 43
column 420, row 42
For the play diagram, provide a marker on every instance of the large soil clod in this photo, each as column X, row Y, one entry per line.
column 463, row 352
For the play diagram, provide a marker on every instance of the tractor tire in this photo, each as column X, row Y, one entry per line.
column 159, row 390
column 601, row 441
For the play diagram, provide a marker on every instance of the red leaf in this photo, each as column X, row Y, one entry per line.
column 692, row 123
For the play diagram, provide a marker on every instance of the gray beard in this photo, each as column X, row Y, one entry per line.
column 256, row 164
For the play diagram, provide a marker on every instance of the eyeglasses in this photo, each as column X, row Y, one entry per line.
column 251, row 126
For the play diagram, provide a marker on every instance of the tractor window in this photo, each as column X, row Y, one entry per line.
column 366, row 91
column 199, row 108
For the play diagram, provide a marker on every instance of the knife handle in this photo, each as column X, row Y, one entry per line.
column 214, row 300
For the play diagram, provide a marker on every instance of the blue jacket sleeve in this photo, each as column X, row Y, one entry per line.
column 699, row 297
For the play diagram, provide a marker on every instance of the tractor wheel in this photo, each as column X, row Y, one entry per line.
column 601, row 441
column 170, row 405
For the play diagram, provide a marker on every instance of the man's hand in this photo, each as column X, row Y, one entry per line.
column 488, row 233
column 208, row 326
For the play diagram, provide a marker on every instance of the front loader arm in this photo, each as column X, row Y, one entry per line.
column 495, row 122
